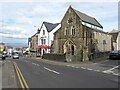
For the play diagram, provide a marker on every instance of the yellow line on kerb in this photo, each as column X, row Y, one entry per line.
column 21, row 78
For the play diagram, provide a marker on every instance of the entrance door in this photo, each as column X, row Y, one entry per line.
column 72, row 48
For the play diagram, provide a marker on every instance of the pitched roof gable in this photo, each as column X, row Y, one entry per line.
column 87, row 18
column 50, row 26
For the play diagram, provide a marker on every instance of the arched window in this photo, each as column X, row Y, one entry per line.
column 66, row 31
column 73, row 31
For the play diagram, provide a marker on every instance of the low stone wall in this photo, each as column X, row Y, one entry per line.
column 98, row 55
column 56, row 57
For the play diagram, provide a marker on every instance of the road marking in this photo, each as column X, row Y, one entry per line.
column 114, row 68
column 116, row 74
column 76, row 67
column 83, row 67
column 72, row 66
column 51, row 70
column 34, row 63
column 20, row 77
column 89, row 69
column 68, row 65
column 21, row 83
column 110, row 70
column 37, row 64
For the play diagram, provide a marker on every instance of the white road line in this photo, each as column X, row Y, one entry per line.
column 114, row 68
column 34, row 63
column 37, row 64
column 83, row 67
column 109, row 70
column 72, row 66
column 51, row 70
column 116, row 74
column 89, row 69
column 68, row 65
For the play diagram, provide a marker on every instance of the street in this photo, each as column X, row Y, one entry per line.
column 44, row 74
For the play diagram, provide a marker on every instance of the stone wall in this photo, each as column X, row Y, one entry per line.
column 56, row 57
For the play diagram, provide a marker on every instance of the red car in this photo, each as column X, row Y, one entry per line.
column 115, row 54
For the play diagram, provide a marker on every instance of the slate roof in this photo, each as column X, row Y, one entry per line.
column 88, row 19
column 50, row 26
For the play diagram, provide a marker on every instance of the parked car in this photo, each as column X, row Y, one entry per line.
column 2, row 56
column 115, row 54
column 15, row 56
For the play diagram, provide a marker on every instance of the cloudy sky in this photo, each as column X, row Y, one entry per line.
column 20, row 19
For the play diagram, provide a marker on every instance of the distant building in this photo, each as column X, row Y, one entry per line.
column 79, row 36
column 118, row 41
column 2, row 47
column 33, row 42
column 115, row 39
column 45, row 37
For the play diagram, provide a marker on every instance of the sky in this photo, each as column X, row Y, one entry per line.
column 19, row 19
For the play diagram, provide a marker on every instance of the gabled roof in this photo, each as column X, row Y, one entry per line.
column 88, row 19
column 50, row 26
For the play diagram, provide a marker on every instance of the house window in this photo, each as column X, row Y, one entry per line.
column 43, row 32
column 66, row 31
column 73, row 31
column 43, row 41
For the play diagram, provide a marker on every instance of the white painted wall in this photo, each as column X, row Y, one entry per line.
column 40, row 35
column 49, row 36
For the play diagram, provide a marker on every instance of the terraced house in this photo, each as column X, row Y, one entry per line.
column 80, row 36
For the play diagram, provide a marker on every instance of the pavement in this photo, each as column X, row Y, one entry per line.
column 8, row 75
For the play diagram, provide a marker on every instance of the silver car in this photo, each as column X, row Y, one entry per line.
column 15, row 56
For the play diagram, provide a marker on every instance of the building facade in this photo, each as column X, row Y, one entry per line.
column 77, row 37
column 118, row 41
column 2, row 47
column 33, row 43
column 115, row 39
column 45, row 37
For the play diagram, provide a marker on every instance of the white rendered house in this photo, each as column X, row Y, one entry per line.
column 46, row 37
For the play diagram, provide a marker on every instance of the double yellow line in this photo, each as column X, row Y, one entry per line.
column 23, row 83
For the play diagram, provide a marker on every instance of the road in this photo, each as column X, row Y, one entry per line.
column 41, row 74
